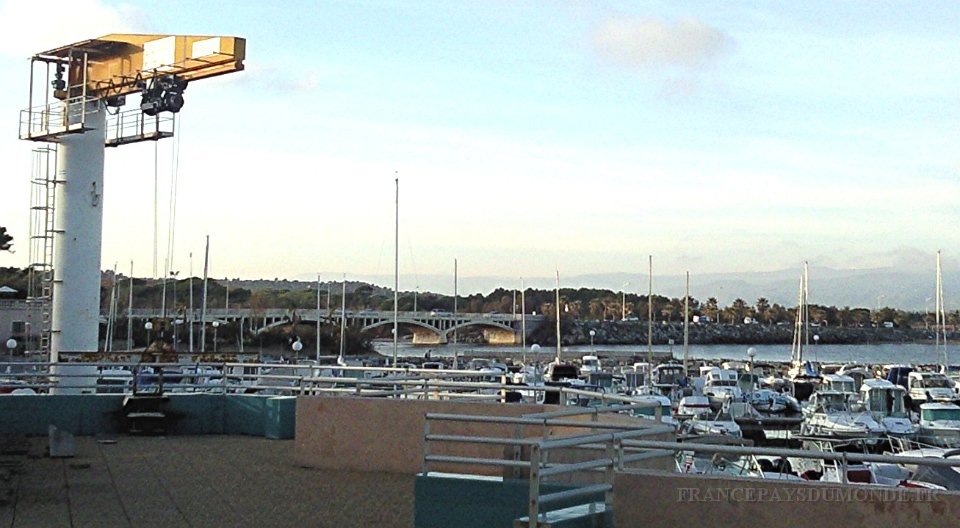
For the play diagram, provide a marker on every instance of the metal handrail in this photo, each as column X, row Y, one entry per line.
column 538, row 466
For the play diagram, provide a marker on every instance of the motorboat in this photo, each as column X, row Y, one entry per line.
column 940, row 424
column 838, row 383
column 589, row 365
column 670, row 380
column 829, row 414
column 720, row 386
column 703, row 421
column 931, row 387
column 770, row 402
column 886, row 402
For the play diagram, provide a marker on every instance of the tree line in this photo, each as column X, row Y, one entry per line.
column 587, row 304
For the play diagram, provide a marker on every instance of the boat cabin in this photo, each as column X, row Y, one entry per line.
column 882, row 398
column 931, row 387
column 838, row 382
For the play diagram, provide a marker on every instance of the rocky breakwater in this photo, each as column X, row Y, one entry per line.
column 635, row 332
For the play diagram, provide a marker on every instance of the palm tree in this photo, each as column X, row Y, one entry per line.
column 763, row 309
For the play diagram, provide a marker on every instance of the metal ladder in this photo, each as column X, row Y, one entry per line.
column 42, row 200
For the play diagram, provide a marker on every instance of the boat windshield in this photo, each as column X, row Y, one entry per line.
column 937, row 382
column 834, row 402
column 931, row 415
column 723, row 383
column 887, row 403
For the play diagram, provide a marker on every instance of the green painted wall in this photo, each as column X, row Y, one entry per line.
column 466, row 502
column 188, row 414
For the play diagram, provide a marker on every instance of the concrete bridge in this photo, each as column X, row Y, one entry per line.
column 428, row 327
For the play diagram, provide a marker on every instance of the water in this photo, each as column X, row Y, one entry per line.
column 884, row 353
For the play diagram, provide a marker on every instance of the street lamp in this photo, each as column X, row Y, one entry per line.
column 148, row 326
column 297, row 346
column 751, row 353
column 535, row 348
column 11, row 346
column 216, row 324
column 592, row 333
column 816, row 339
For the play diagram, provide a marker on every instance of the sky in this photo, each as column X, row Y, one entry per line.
column 527, row 137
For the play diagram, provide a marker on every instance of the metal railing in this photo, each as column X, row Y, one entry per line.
column 607, row 438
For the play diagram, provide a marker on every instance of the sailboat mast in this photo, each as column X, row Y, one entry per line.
column 203, row 306
column 318, row 318
column 343, row 318
column 396, row 270
column 523, row 320
column 686, row 326
column 650, row 311
column 796, row 354
column 806, row 305
column 558, row 317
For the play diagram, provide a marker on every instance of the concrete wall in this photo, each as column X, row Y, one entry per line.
column 371, row 434
column 192, row 414
column 670, row 500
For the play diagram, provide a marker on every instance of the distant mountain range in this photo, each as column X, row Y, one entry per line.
column 864, row 288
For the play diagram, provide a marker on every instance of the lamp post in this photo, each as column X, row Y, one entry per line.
column 216, row 324
column 592, row 333
column 11, row 346
column 148, row 326
column 816, row 339
column 297, row 346
column 751, row 353
column 535, row 348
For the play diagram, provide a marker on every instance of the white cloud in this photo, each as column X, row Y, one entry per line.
column 27, row 28
column 654, row 43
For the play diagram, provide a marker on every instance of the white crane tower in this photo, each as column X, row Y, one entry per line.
column 77, row 95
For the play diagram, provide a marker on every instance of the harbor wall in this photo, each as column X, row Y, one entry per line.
column 644, row 498
column 374, row 434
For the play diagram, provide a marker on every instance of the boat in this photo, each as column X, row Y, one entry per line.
column 886, row 402
column 828, row 414
column 588, row 365
column 721, row 387
column 702, row 420
column 720, row 424
column 804, row 374
column 931, row 387
column 940, row 425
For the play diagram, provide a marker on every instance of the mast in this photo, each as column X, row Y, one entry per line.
column 796, row 354
column 523, row 320
column 940, row 328
column 343, row 319
column 558, row 316
column 806, row 305
column 130, row 312
column 396, row 269
column 190, row 323
column 650, row 311
column 203, row 307
column 318, row 318
column 686, row 326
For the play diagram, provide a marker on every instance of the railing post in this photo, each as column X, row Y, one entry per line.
column 426, row 444
column 613, row 447
column 843, row 468
column 533, row 509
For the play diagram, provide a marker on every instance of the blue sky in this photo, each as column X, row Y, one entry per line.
column 532, row 136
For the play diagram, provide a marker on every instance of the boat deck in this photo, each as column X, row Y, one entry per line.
column 189, row 481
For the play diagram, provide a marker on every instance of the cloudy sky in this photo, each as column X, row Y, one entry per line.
column 528, row 136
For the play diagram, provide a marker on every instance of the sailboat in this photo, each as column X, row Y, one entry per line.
column 804, row 375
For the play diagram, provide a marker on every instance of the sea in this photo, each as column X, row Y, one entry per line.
column 873, row 354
